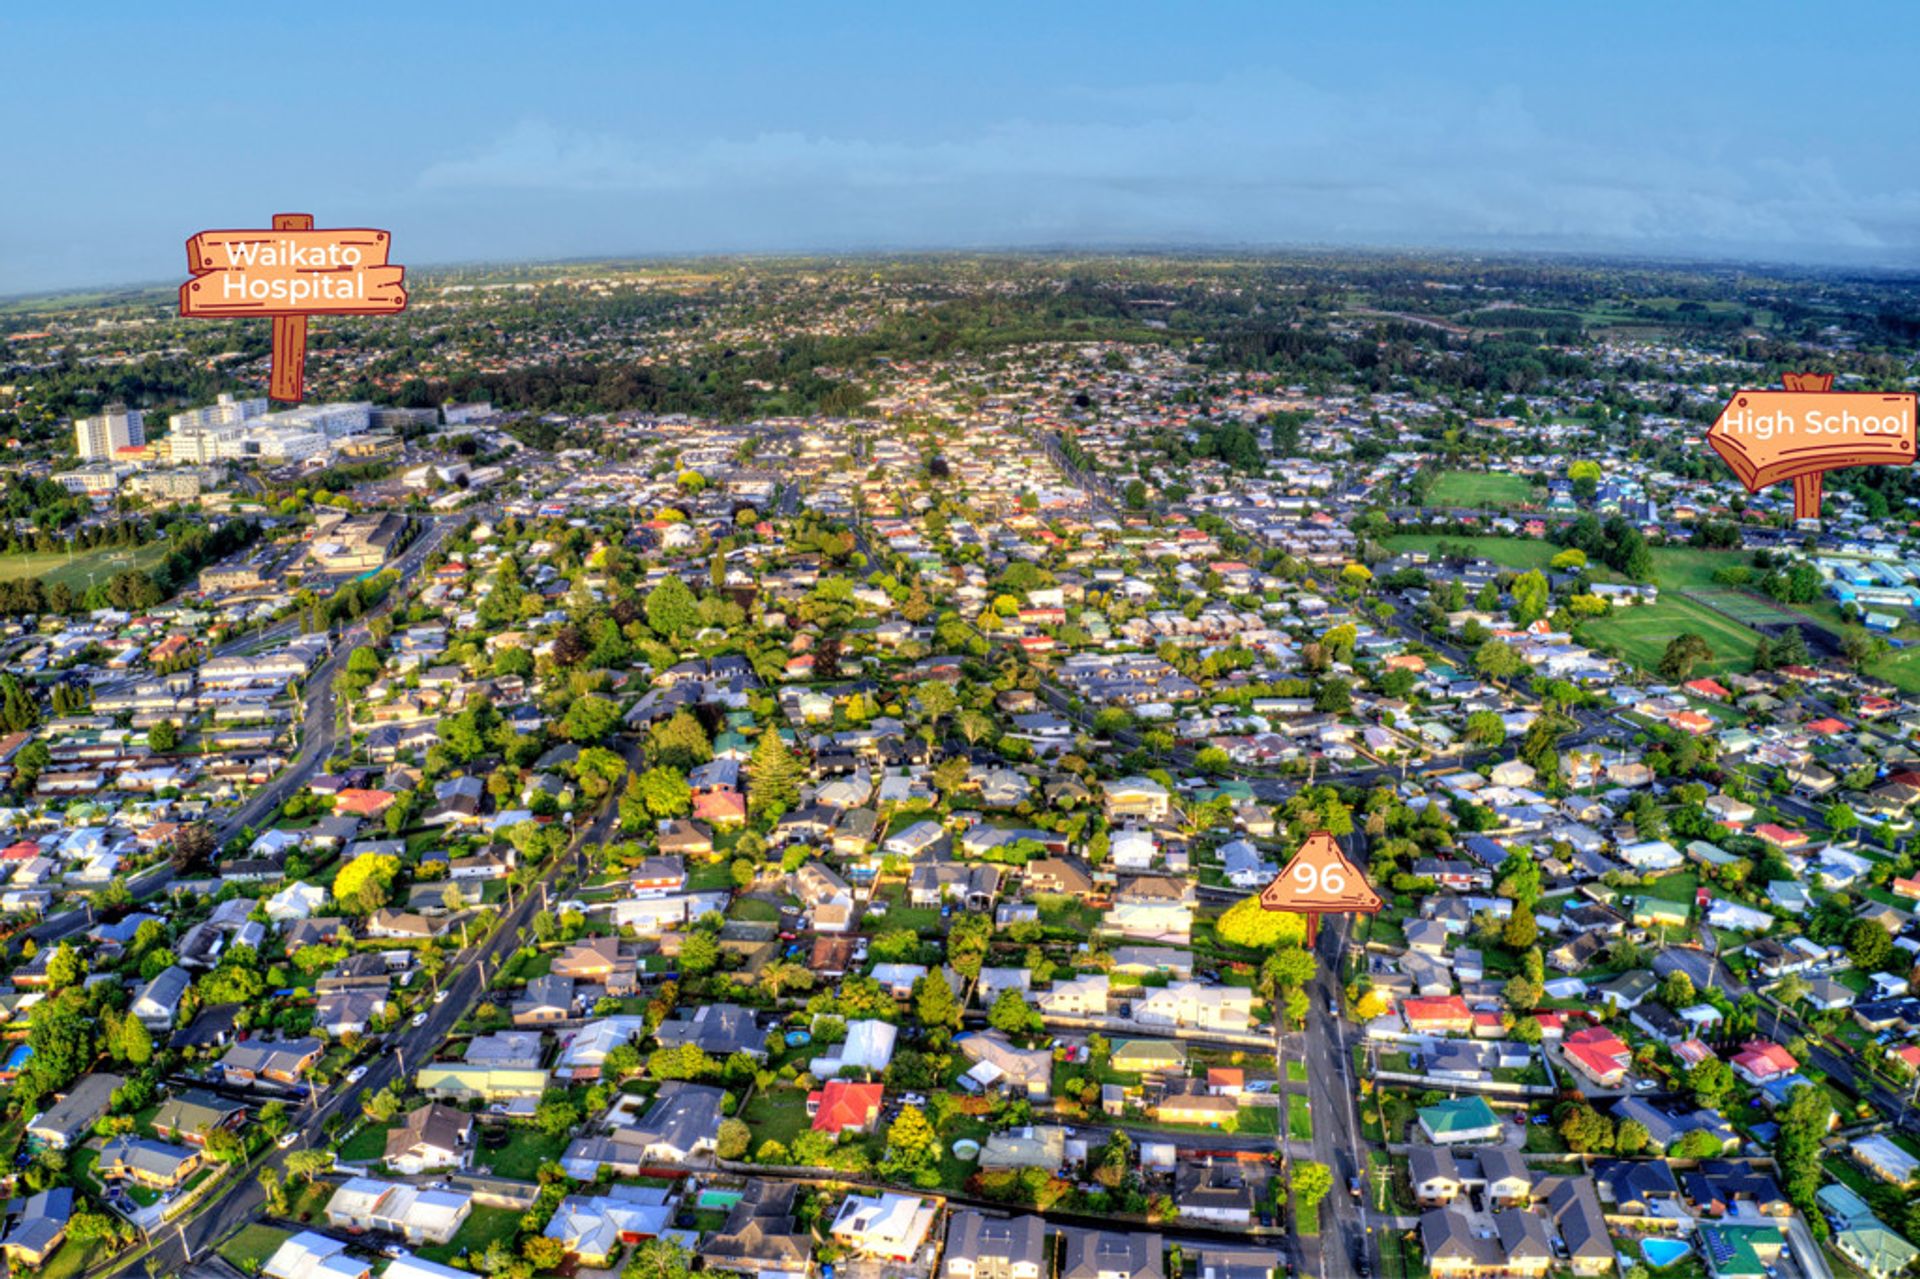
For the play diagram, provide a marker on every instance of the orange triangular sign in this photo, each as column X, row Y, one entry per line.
column 1320, row 880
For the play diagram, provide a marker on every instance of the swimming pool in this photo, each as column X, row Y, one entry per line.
column 1661, row 1253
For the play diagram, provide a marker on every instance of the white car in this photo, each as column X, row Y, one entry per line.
column 419, row 1020
column 439, row 996
column 355, row 1075
column 1644, row 1085
column 287, row 1139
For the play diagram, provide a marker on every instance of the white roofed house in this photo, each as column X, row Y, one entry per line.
column 1651, row 855
column 295, row 901
column 1076, row 997
column 308, row 1255
column 1140, row 797
column 158, row 1003
column 868, row 1046
column 1189, row 1004
column 415, row 1213
column 887, row 1226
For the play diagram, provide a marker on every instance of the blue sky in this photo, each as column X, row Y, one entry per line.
column 478, row 131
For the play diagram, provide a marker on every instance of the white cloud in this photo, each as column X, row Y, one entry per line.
column 1268, row 161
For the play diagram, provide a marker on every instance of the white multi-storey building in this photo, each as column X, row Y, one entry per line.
column 98, row 439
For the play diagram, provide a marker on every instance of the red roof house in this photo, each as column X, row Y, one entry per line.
column 357, row 802
column 1448, row 1014
column 843, row 1106
column 1599, row 1054
column 1763, row 1061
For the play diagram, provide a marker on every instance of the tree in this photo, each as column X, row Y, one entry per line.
column 1684, row 652
column 1677, row 991
column 163, row 736
column 542, row 1252
column 1586, row 1129
column 1289, row 968
column 1496, row 659
column 598, row 769
column 1530, row 596
column 1869, row 945
column 363, row 885
column 1521, row 929
column 65, row 967
column 680, row 742
column 774, row 774
column 934, row 1002
column 1697, row 1144
column 1310, row 1181
column 663, row 791
column 699, row 954
column 1631, row 1137
column 589, row 719
column 734, row 1139
column 913, row 1148
column 1245, row 923
column 671, row 608
column 1841, row 820
column 1519, row 878
column 657, row 1259
column 1804, row 1123
column 1011, row 1014
column 1486, row 728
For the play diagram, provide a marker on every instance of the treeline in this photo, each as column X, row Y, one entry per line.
column 192, row 546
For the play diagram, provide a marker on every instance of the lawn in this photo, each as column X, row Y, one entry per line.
column 368, row 1145
column 1679, row 887
column 779, row 1115
column 1479, row 488
column 1686, row 568
column 526, row 1149
column 248, row 1249
column 73, row 1259
column 1296, row 1071
column 57, row 566
column 754, row 909
column 921, row 919
column 1640, row 634
column 482, row 1227
column 1299, row 1118
column 1518, row 553
column 710, row 877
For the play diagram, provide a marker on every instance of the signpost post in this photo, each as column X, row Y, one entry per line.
column 1320, row 881
column 289, row 272
column 1807, row 429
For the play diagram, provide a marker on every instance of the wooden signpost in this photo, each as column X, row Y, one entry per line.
column 1806, row 429
column 1320, row 881
column 288, row 273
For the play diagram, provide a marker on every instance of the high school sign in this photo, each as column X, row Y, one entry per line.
column 1802, row 432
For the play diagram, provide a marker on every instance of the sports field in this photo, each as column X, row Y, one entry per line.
column 57, row 566
column 1753, row 610
column 1479, row 488
column 1642, row 632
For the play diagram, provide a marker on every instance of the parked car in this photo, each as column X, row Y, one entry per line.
column 419, row 1020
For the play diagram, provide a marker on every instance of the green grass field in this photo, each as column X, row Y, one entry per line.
column 1299, row 1117
column 55, row 566
column 1479, row 488
column 249, row 1249
column 1640, row 634
column 1517, row 553
column 1751, row 610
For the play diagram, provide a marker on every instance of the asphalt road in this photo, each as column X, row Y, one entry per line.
column 401, row 1051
